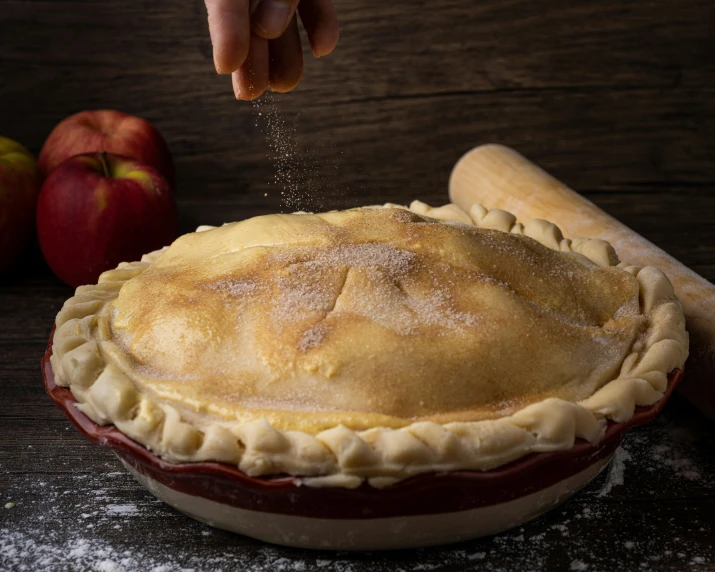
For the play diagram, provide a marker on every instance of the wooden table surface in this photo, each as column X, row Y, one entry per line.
column 616, row 98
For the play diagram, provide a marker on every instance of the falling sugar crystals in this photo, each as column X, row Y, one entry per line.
column 308, row 177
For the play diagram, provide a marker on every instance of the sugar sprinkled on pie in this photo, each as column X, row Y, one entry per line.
column 377, row 312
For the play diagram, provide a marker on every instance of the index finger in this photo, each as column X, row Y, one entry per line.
column 230, row 30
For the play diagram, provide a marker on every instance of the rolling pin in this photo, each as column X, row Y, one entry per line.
column 499, row 177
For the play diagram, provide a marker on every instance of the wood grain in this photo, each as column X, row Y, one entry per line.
column 603, row 94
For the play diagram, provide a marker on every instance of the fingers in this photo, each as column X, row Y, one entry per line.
column 321, row 23
column 251, row 79
column 272, row 54
column 278, row 63
column 286, row 59
column 270, row 18
column 229, row 28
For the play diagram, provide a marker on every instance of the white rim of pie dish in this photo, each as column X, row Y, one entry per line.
column 392, row 533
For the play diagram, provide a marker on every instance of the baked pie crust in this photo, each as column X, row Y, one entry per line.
column 370, row 344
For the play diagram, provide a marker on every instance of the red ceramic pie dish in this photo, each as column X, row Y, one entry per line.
column 428, row 509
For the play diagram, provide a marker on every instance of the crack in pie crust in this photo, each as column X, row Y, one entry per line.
column 370, row 344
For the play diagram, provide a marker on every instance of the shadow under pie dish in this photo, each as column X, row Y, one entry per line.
column 373, row 378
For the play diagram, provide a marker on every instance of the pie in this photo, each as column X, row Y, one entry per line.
column 371, row 344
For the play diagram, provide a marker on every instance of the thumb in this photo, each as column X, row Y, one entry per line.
column 270, row 18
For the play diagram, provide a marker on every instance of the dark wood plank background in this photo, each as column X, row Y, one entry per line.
column 616, row 98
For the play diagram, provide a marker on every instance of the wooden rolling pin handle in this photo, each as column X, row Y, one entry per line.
column 499, row 177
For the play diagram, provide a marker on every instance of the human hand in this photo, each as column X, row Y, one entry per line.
column 257, row 41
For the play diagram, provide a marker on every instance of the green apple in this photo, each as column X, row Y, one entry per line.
column 20, row 183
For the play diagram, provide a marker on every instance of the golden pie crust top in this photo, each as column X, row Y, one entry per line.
column 374, row 343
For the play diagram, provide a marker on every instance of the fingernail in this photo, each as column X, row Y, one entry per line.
column 272, row 16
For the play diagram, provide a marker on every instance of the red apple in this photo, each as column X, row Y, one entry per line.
column 109, row 131
column 20, row 182
column 98, row 210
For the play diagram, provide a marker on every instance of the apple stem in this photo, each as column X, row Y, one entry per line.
column 105, row 164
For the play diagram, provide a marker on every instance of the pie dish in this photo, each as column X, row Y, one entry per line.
column 369, row 349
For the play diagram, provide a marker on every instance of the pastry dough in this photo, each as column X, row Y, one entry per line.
column 374, row 343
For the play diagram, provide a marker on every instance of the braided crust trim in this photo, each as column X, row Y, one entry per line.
column 84, row 360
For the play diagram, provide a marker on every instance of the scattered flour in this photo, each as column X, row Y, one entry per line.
column 616, row 473
column 122, row 510
column 664, row 454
